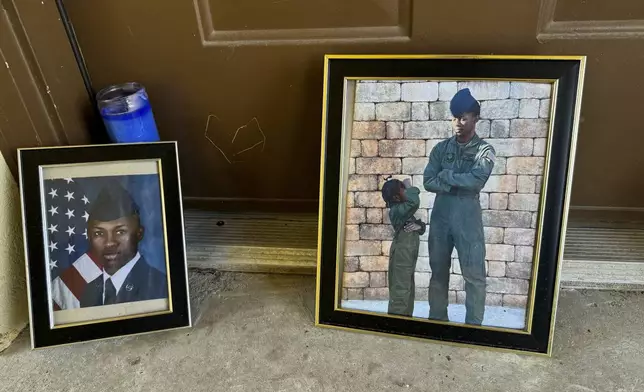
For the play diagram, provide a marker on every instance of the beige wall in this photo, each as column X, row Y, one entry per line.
column 13, row 300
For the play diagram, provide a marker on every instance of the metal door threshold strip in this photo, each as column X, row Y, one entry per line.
column 607, row 257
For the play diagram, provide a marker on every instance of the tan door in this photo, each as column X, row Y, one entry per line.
column 238, row 82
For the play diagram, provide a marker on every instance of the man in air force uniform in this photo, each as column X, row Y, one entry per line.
column 114, row 232
column 458, row 169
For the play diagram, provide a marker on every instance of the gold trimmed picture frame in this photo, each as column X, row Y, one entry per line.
column 383, row 118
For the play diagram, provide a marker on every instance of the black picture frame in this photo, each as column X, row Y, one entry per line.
column 32, row 162
column 567, row 74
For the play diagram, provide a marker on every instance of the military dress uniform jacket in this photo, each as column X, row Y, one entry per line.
column 143, row 283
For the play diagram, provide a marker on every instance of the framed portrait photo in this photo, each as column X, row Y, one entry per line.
column 445, row 187
column 104, row 241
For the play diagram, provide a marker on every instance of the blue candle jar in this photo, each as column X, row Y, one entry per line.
column 127, row 113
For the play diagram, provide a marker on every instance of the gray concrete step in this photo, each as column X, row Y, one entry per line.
column 600, row 253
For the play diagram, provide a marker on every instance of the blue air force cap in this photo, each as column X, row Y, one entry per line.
column 464, row 102
column 113, row 202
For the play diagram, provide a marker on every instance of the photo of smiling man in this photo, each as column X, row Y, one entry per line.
column 115, row 230
column 106, row 241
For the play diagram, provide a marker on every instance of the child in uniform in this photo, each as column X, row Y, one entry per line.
column 403, row 201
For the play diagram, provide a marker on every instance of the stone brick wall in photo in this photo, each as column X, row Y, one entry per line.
column 396, row 124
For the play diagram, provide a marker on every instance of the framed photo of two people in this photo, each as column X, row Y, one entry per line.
column 104, row 241
column 445, row 186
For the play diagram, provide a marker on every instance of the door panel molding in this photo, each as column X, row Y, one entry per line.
column 549, row 29
column 213, row 35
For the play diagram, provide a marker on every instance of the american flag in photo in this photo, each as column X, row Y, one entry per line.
column 66, row 216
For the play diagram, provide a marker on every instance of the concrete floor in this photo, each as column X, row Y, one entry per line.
column 256, row 333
